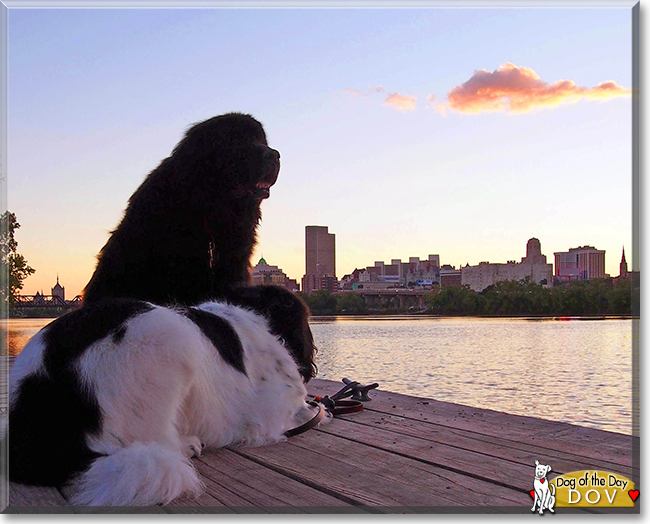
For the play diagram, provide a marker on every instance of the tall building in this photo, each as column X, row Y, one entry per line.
column 320, row 260
column 532, row 266
column 320, row 250
column 580, row 263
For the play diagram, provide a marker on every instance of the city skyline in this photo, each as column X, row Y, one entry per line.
column 462, row 131
column 443, row 262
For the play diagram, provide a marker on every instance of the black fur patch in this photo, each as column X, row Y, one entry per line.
column 53, row 412
column 118, row 334
column 70, row 335
column 288, row 318
column 221, row 334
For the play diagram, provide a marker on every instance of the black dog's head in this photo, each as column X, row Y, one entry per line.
column 229, row 153
column 288, row 319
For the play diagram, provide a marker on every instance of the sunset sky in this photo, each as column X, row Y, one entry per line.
column 458, row 132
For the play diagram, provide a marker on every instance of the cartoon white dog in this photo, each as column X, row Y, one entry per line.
column 544, row 494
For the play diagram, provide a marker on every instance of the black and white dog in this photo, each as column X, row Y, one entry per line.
column 110, row 401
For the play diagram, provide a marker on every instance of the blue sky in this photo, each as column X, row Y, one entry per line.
column 97, row 98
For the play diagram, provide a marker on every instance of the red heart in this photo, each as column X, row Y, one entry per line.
column 542, row 480
column 633, row 494
column 532, row 493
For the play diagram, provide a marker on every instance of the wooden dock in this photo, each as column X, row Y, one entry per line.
column 401, row 454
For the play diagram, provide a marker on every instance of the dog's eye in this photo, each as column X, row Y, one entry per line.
column 282, row 341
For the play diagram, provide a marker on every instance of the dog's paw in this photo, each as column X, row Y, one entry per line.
column 193, row 447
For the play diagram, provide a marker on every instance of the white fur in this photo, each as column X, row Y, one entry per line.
column 139, row 474
column 163, row 386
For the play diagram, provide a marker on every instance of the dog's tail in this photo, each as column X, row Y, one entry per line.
column 138, row 475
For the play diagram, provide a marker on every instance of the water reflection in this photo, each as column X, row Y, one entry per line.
column 20, row 330
column 577, row 372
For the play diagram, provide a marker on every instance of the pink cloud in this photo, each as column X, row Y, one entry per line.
column 401, row 102
column 520, row 89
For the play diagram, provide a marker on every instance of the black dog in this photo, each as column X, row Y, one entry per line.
column 189, row 230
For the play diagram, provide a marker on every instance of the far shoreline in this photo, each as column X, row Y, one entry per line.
column 406, row 316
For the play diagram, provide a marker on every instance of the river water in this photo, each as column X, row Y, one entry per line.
column 569, row 371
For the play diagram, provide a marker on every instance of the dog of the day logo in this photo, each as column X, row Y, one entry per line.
column 594, row 489
column 581, row 489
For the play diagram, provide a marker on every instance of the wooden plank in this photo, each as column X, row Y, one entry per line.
column 214, row 494
column 24, row 495
column 369, row 476
column 116, row 510
column 258, row 484
column 25, row 499
column 440, row 453
column 580, row 441
column 455, row 446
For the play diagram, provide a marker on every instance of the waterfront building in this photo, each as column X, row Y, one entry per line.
column 580, row 263
column 414, row 273
column 422, row 272
column 533, row 266
column 320, row 260
column 450, row 276
column 319, row 282
column 265, row 274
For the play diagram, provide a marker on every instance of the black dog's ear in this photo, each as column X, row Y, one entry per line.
column 284, row 302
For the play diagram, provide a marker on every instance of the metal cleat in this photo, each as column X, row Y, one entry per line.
column 360, row 392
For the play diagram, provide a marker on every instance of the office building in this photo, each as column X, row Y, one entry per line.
column 320, row 260
column 580, row 263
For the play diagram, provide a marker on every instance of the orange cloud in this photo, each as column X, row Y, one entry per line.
column 519, row 90
column 401, row 102
column 607, row 90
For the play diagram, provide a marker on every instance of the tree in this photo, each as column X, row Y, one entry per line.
column 620, row 300
column 454, row 301
column 321, row 302
column 349, row 303
column 14, row 269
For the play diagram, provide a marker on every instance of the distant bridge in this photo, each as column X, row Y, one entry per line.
column 46, row 301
